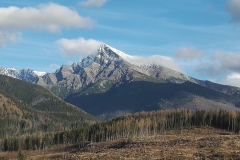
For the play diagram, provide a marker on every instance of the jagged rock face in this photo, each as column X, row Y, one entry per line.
column 11, row 72
column 164, row 73
column 28, row 75
column 24, row 74
column 106, row 65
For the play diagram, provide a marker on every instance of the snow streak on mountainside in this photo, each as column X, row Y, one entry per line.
column 24, row 74
column 39, row 73
column 118, row 52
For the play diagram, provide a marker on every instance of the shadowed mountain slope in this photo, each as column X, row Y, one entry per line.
column 147, row 96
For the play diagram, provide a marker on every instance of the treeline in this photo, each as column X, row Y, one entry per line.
column 135, row 125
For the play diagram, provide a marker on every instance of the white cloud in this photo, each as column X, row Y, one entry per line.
column 228, row 61
column 8, row 37
column 80, row 46
column 93, row 3
column 211, row 69
column 233, row 7
column 53, row 67
column 232, row 79
column 149, row 60
column 156, row 59
column 189, row 53
column 52, row 17
column 220, row 64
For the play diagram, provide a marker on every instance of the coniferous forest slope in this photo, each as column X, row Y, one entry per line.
column 148, row 96
column 27, row 108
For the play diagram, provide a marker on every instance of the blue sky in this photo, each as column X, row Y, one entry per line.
column 197, row 37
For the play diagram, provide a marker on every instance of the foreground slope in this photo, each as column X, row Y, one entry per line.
column 197, row 143
column 28, row 108
column 168, row 134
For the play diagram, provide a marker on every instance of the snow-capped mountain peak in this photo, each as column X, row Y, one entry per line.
column 24, row 74
column 121, row 54
column 113, row 53
column 11, row 72
column 118, row 52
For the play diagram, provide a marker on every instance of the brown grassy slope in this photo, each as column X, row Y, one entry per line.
column 198, row 143
column 194, row 144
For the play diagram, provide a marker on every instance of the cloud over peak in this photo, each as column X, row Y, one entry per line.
column 155, row 59
column 233, row 7
column 232, row 79
column 8, row 37
column 79, row 46
column 92, row 3
column 51, row 17
column 188, row 53
column 220, row 64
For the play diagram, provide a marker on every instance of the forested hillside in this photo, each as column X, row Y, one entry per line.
column 139, row 96
column 138, row 125
column 26, row 109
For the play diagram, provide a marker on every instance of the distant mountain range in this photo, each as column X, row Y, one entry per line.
column 109, row 84
column 24, row 74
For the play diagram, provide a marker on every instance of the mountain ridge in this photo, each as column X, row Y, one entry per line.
column 153, row 70
column 90, row 70
column 111, row 69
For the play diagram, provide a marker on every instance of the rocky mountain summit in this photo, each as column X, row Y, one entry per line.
column 111, row 66
column 108, row 65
